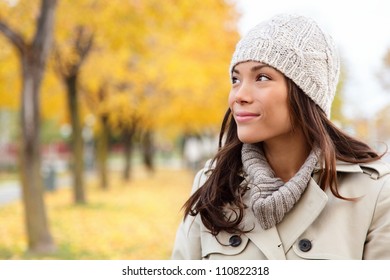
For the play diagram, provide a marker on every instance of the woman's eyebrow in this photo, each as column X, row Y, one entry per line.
column 258, row 67
column 254, row 68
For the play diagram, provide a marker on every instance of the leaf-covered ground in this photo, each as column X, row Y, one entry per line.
column 136, row 220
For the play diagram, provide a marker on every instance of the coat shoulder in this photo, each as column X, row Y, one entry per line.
column 361, row 179
column 376, row 169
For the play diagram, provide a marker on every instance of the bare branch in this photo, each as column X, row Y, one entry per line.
column 59, row 65
column 15, row 38
column 42, row 39
column 83, row 45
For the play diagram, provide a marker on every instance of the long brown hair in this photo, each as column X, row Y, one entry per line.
column 223, row 187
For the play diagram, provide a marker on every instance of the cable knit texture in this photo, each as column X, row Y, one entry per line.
column 297, row 47
column 271, row 198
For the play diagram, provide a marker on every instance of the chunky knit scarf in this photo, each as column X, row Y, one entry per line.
column 271, row 198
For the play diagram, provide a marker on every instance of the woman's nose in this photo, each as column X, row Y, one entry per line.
column 243, row 94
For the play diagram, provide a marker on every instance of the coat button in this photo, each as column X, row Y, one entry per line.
column 304, row 245
column 235, row 241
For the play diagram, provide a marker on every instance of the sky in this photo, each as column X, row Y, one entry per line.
column 361, row 30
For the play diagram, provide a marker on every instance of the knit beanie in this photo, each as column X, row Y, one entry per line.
column 296, row 46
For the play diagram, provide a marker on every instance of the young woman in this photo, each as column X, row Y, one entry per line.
column 286, row 183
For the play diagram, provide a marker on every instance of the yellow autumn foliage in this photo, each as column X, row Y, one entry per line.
column 169, row 57
column 21, row 16
column 9, row 76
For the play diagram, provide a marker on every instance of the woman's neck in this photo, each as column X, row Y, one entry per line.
column 286, row 156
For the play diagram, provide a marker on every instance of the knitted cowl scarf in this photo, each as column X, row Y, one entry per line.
column 271, row 198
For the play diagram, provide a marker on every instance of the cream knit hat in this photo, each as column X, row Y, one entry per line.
column 297, row 47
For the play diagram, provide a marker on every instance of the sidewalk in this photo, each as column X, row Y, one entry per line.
column 10, row 191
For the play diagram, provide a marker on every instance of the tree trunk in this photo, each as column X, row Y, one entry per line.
column 76, row 141
column 102, row 152
column 39, row 237
column 148, row 151
column 69, row 72
column 128, row 138
column 33, row 59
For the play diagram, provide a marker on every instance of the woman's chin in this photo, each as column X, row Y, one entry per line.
column 248, row 140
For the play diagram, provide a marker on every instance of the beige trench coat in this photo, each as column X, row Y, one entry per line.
column 319, row 226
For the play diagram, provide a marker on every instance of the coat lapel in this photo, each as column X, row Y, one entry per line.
column 268, row 241
column 276, row 241
column 302, row 215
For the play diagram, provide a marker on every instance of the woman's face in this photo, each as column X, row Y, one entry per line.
column 259, row 103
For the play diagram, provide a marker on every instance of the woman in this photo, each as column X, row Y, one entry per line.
column 286, row 183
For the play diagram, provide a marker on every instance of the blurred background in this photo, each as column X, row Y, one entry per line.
column 108, row 108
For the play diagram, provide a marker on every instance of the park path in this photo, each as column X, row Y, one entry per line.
column 10, row 191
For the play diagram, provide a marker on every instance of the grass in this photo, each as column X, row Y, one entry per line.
column 135, row 220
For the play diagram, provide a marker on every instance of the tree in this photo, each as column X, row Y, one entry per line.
column 33, row 56
column 68, row 68
column 104, row 71
column 103, row 140
column 158, row 75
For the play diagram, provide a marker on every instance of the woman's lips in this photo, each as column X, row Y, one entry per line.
column 245, row 116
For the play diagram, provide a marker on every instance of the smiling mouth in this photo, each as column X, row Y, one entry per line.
column 245, row 117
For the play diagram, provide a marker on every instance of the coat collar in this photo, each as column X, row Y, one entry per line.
column 342, row 166
column 375, row 169
column 276, row 241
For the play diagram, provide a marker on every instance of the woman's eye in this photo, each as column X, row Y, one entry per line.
column 235, row 80
column 262, row 78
